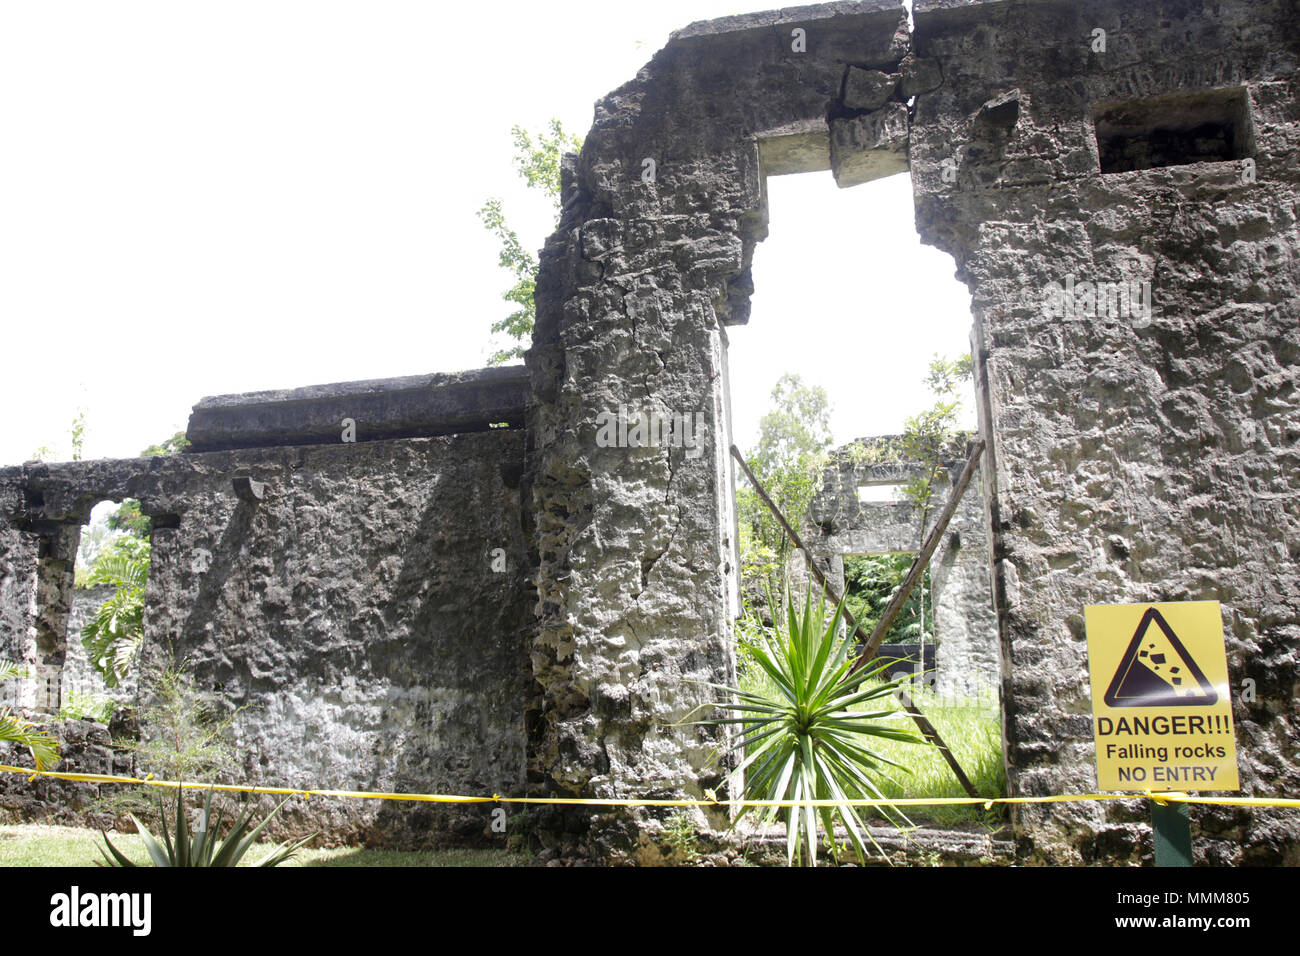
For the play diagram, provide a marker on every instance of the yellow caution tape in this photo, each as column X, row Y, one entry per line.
column 1228, row 801
column 986, row 802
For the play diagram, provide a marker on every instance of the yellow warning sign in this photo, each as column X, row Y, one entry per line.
column 1161, row 701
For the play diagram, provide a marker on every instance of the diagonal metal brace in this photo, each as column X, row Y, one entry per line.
column 923, row 724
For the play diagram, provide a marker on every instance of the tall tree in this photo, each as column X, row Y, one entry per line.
column 797, row 430
column 538, row 163
column 927, row 439
column 78, row 434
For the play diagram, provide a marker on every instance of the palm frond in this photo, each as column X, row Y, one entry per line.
column 9, row 670
column 120, row 571
column 43, row 746
column 113, row 637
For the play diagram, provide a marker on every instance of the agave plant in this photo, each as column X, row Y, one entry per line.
column 44, row 747
column 808, row 737
column 201, row 846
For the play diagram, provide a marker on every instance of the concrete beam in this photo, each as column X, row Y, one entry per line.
column 416, row 406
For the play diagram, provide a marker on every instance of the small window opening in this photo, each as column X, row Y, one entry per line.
column 1207, row 126
column 885, row 492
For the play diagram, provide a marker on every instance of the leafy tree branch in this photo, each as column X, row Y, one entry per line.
column 538, row 164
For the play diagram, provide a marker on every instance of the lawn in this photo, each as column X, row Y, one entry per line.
column 40, row 845
column 972, row 729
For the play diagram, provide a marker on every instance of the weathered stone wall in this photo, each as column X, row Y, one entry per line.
column 840, row 524
column 84, row 747
column 635, row 546
column 1132, row 458
column 18, row 553
column 355, row 610
column 366, row 614
column 1126, row 461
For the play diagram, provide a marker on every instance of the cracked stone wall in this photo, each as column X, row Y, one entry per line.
column 1127, row 461
column 359, row 613
column 840, row 524
column 1133, row 458
column 636, row 568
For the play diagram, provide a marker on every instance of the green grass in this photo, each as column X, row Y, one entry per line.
column 39, row 845
column 971, row 727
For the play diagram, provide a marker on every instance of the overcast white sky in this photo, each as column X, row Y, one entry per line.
column 199, row 198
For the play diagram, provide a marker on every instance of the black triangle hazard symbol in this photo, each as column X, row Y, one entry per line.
column 1157, row 671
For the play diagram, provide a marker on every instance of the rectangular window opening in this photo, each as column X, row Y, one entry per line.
column 1206, row 126
column 880, row 492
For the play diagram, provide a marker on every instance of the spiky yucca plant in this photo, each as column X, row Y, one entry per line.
column 807, row 737
column 202, row 847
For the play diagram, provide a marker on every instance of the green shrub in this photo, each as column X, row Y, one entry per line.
column 870, row 583
column 185, row 734
column 810, row 731
column 77, row 706
column 680, row 835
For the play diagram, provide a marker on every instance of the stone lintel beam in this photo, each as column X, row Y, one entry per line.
column 799, row 147
column 934, row 16
column 40, row 496
column 416, row 406
column 792, row 15
column 869, row 147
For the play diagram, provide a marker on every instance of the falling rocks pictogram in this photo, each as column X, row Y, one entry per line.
column 1158, row 671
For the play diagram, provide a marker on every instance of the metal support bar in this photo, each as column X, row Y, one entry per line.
column 923, row 558
column 922, row 723
column 1171, row 831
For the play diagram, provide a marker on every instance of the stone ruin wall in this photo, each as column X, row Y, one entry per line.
column 968, row 662
column 1130, row 461
column 364, row 613
column 1127, row 461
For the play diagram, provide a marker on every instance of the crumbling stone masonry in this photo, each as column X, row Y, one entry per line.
column 1116, row 182
column 364, row 600
column 1134, row 453
column 840, row 524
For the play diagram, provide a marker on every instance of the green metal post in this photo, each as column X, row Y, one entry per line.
column 1173, row 834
